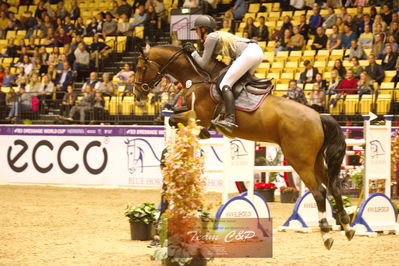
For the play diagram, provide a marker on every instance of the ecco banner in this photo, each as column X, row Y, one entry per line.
column 97, row 155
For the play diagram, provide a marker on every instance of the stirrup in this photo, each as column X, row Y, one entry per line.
column 226, row 125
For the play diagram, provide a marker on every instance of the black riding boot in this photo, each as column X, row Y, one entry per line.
column 228, row 123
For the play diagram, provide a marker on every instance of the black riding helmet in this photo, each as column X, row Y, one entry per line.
column 205, row 21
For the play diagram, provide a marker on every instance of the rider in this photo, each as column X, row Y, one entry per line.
column 246, row 56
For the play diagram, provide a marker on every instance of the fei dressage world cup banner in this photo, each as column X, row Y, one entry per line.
column 90, row 155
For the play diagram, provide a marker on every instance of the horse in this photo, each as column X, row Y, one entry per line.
column 312, row 143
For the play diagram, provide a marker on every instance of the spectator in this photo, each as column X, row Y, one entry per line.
column 378, row 31
column 297, row 4
column 330, row 19
column 344, row 13
column 365, row 84
column 124, row 8
column 377, row 45
column 52, row 72
column 43, row 54
column 106, row 86
column 140, row 17
column 24, row 103
column 262, row 34
column 366, row 21
column 295, row 93
column 237, row 11
column 320, row 41
column 69, row 27
column 340, row 25
column 386, row 14
column 124, row 74
column 394, row 19
column 287, row 25
column 85, row 105
column 317, row 98
column 124, row 27
column 335, row 39
column 97, row 50
column 80, row 28
column 129, row 88
column 75, row 44
column 315, row 20
column 250, row 28
column 33, row 86
column 358, row 18
column 321, row 82
column 388, row 58
column 110, row 26
column 190, row 4
column 38, row 67
column 99, row 102
column 304, row 28
column 3, row 104
column 49, row 39
column 349, row 84
column 12, row 49
column 226, row 26
column 75, row 11
column 68, row 101
column 46, row 90
column 296, row 42
column 61, row 12
column 356, row 51
column 93, row 27
column 26, row 64
column 151, row 25
column 100, row 22
column 114, row 10
column 392, row 42
column 309, row 75
column 352, row 25
column 92, row 83
column 283, row 41
column 374, row 70
column 347, row 37
column 63, row 79
column 366, row 38
column 63, row 38
column 82, row 58
column 8, row 78
column 378, row 20
column 361, row 3
column 340, row 68
column 356, row 68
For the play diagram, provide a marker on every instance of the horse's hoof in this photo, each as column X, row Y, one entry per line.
column 204, row 133
column 328, row 243
column 349, row 234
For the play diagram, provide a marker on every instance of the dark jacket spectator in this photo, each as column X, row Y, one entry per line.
column 388, row 58
column 340, row 68
column 315, row 20
column 320, row 40
column 64, row 78
column 374, row 70
column 124, row 8
column 304, row 28
column 309, row 75
column 263, row 32
column 249, row 27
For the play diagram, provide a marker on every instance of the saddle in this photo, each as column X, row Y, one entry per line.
column 248, row 83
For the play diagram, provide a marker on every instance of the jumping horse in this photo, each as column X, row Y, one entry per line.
column 312, row 143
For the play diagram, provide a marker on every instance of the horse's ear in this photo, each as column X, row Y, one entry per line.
column 141, row 50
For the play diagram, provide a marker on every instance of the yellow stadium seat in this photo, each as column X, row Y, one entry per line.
column 268, row 56
column 389, row 75
column 327, row 75
column 276, row 6
column 337, row 54
column 260, row 75
column 262, row 14
column 383, row 104
column 249, row 15
column 291, row 66
column 263, row 67
column 308, row 55
column 330, row 65
column 281, row 87
column 275, row 76
column 338, row 108
column 365, row 104
column 322, row 54
column 269, row 6
column 262, row 45
column 274, row 16
column 347, row 64
column 320, row 65
column 295, row 55
column 351, row 104
column 270, row 46
column 386, row 88
column 299, row 13
column 287, row 13
column 364, row 63
column 253, row 8
column 281, row 56
column 277, row 66
column 285, row 78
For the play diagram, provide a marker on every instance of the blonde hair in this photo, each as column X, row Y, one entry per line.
column 227, row 45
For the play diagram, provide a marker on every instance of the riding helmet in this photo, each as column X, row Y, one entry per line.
column 205, row 21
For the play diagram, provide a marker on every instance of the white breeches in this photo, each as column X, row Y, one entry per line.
column 249, row 60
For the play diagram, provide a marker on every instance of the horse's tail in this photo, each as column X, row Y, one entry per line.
column 333, row 151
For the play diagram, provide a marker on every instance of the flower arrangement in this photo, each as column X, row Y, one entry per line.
column 287, row 189
column 263, row 185
column 143, row 213
column 394, row 157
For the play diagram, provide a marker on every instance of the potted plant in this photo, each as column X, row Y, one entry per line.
column 266, row 190
column 141, row 218
column 287, row 194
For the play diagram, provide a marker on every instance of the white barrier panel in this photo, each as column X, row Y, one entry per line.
column 89, row 155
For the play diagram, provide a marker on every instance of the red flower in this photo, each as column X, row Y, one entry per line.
column 263, row 185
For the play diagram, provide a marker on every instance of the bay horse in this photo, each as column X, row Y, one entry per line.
column 312, row 143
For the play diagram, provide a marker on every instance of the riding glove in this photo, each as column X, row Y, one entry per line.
column 189, row 47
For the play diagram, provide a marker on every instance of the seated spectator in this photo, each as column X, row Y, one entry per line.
column 24, row 103
column 75, row 10
column 85, row 104
column 82, row 58
column 366, row 38
column 80, row 28
column 151, row 25
column 140, row 17
column 388, row 58
column 250, row 28
column 335, row 39
column 61, row 12
column 190, row 4
column 33, row 88
column 97, row 50
column 352, row 25
column 106, row 86
column 394, row 19
column 3, row 104
column 38, row 67
column 378, row 46
column 344, row 13
column 386, row 14
column 283, row 41
column 366, row 21
column 334, row 82
column 129, row 88
column 380, row 32
column 374, row 70
column 64, row 79
column 349, row 84
column 340, row 25
column 98, row 101
column 75, row 44
column 92, row 83
column 378, row 20
column 287, row 25
column 295, row 93
column 365, row 85
column 320, row 81
column 358, row 18
column 357, row 51
column 262, row 34
column 317, row 98
column 356, row 68
column 68, row 101
column 309, row 75
column 315, row 20
column 340, row 68
column 12, row 49
column 392, row 42
column 49, row 40
column 21, row 78
column 347, row 37
column 63, row 38
column 109, row 27
column 297, row 4
column 46, row 90
column 93, row 27
column 8, row 78
column 124, row 27
column 330, row 19
column 26, row 64
column 394, row 30
column 304, row 27
column 237, row 11
column 69, row 27
column 124, row 74
column 297, row 41
column 320, row 40
column 226, row 26
column 52, row 72
column 123, row 9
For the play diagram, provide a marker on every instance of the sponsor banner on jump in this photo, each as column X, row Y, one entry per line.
column 98, row 155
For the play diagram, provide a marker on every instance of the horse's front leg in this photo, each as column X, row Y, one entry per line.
column 183, row 118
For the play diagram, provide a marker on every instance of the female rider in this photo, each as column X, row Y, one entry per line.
column 245, row 54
